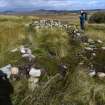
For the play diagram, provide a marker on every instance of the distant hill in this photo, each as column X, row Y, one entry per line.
column 43, row 12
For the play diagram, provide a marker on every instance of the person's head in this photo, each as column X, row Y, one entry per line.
column 82, row 15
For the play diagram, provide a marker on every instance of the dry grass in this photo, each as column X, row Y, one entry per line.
column 77, row 88
column 96, row 31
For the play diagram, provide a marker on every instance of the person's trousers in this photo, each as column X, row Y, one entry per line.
column 82, row 25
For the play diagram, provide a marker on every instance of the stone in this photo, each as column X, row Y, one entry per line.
column 99, row 41
column 90, row 41
column 92, row 73
column 33, row 83
column 103, row 48
column 35, row 72
column 94, row 54
column 89, row 48
column 14, row 70
column 7, row 70
column 14, row 50
column 101, row 74
column 22, row 49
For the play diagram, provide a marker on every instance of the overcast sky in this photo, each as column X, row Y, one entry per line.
column 51, row 4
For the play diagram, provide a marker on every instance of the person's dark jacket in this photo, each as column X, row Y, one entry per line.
column 85, row 15
column 6, row 90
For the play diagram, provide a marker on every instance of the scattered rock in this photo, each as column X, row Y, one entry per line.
column 101, row 74
column 7, row 70
column 90, row 41
column 88, row 48
column 14, row 50
column 103, row 48
column 99, row 41
column 35, row 72
column 92, row 73
column 14, row 71
column 32, row 83
column 94, row 54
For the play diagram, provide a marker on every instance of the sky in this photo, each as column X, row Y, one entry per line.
column 51, row 4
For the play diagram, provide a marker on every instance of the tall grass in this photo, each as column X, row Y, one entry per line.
column 96, row 31
column 13, row 33
column 76, row 88
column 10, row 36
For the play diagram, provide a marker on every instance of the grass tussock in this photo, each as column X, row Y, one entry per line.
column 76, row 89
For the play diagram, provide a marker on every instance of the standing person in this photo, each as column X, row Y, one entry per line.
column 84, row 13
column 83, row 18
column 6, row 90
column 82, row 22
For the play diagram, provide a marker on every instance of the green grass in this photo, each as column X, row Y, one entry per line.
column 11, row 34
column 77, row 88
column 96, row 31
